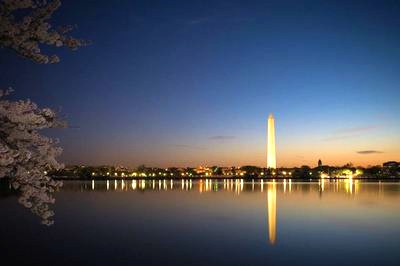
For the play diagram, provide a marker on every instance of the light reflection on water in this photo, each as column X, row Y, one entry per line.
column 272, row 212
column 193, row 222
column 237, row 186
column 347, row 186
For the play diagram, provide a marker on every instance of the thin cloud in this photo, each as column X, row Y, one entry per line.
column 186, row 146
column 369, row 152
column 357, row 129
column 222, row 137
column 349, row 133
column 334, row 138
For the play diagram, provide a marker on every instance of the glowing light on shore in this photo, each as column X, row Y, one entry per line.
column 323, row 175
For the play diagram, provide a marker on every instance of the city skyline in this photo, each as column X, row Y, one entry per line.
column 189, row 84
column 269, row 161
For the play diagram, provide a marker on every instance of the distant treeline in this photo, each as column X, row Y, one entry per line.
column 387, row 170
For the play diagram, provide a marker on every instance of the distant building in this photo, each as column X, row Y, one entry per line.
column 121, row 168
column 228, row 170
column 319, row 163
column 391, row 164
column 391, row 169
column 203, row 170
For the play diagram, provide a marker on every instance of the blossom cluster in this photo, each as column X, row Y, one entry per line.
column 24, row 26
column 26, row 155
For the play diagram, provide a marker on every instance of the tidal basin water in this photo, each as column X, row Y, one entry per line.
column 208, row 222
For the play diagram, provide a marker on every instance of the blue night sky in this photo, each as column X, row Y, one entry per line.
column 184, row 83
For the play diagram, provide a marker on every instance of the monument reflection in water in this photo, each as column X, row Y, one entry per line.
column 208, row 222
column 272, row 212
column 237, row 186
column 204, row 186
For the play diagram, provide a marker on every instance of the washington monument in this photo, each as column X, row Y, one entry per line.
column 271, row 159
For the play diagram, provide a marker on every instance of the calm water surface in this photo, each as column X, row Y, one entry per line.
column 231, row 222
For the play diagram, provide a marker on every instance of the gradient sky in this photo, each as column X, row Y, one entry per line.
column 184, row 83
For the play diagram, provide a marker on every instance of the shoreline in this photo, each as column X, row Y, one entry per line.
column 226, row 177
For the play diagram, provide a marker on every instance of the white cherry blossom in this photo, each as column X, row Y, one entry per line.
column 25, row 34
column 26, row 155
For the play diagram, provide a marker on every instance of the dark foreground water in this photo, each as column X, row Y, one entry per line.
column 229, row 222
